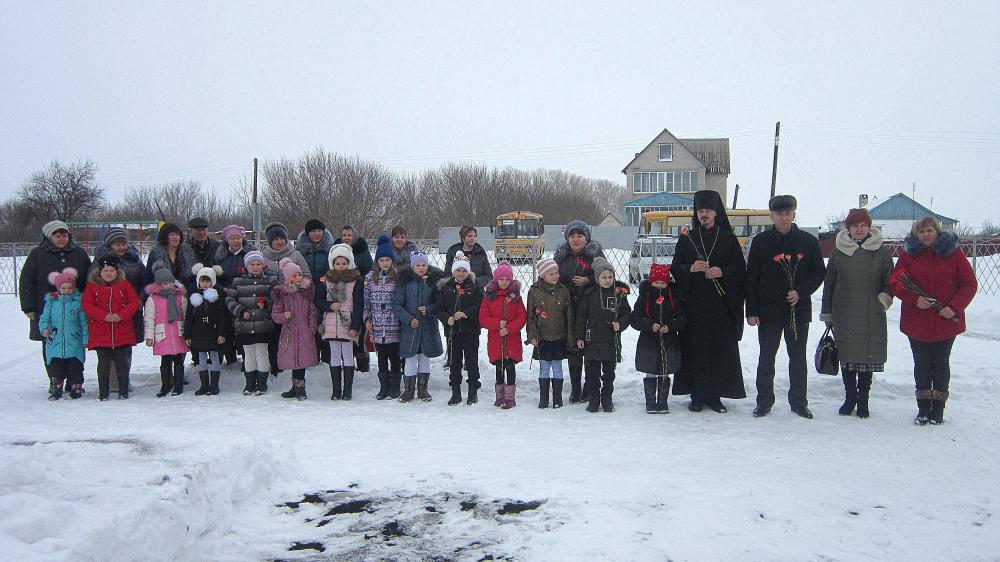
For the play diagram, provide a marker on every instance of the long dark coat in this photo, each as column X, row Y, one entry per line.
column 658, row 306
column 710, row 363
column 33, row 284
column 478, row 261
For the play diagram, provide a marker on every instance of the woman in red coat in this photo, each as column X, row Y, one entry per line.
column 503, row 315
column 935, row 282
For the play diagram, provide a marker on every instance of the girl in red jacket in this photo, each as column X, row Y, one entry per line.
column 503, row 315
column 934, row 280
column 110, row 302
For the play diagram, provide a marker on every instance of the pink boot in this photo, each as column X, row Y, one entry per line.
column 508, row 396
column 500, row 394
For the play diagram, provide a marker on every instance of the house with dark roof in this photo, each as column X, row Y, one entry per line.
column 895, row 216
column 667, row 172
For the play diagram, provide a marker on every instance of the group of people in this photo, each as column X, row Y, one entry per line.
column 291, row 306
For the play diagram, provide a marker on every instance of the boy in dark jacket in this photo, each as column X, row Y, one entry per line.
column 658, row 316
column 603, row 314
column 205, row 327
column 458, row 303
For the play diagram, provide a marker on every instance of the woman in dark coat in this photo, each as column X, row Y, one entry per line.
column 855, row 298
column 55, row 252
column 169, row 251
column 933, row 263
column 474, row 252
column 402, row 247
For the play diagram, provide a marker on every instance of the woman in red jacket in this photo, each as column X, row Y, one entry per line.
column 936, row 284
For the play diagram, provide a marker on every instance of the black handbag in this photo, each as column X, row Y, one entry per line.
column 826, row 355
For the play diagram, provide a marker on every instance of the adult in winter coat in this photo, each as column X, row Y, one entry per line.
column 474, row 252
column 206, row 327
column 55, row 252
column 935, row 282
column 402, row 247
column 658, row 316
column 293, row 308
column 343, row 311
column 130, row 262
column 458, row 300
column 709, row 267
column 249, row 302
column 575, row 258
column 855, row 298
column 200, row 247
column 314, row 243
column 602, row 315
column 503, row 315
column 363, row 262
column 64, row 327
column 419, row 338
column 778, row 305
column 169, row 251
column 278, row 248
column 111, row 303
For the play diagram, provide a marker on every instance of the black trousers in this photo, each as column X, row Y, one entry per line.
column 505, row 372
column 600, row 377
column 69, row 369
column 272, row 350
column 769, row 337
column 464, row 348
column 388, row 358
column 931, row 364
column 121, row 357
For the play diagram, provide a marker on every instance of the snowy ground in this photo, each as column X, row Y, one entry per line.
column 249, row 478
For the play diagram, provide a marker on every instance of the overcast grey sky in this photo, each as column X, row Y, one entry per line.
column 872, row 96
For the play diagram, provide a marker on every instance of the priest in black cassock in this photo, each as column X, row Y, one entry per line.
column 709, row 266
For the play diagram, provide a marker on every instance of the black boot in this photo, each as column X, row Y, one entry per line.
column 607, row 404
column 203, row 389
column 543, row 392
column 937, row 406
column 213, row 384
column 409, row 386
column 363, row 361
column 649, row 389
column 715, row 404
column 165, row 376
column 261, row 382
column 456, row 395
column 123, row 384
column 850, row 392
column 55, row 389
column 251, row 386
column 557, row 387
column 348, row 393
column 178, row 379
column 290, row 393
column 575, row 374
column 103, row 386
column 586, row 390
column 473, row 394
column 662, row 393
column 422, row 380
column 864, row 386
column 383, row 386
column 594, row 403
column 335, row 374
column 300, row 388
column 394, row 380
column 923, row 407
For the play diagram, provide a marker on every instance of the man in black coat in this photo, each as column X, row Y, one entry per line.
column 363, row 262
column 778, row 307
column 709, row 266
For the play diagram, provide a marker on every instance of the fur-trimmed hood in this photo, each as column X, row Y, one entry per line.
column 358, row 246
column 514, row 290
column 223, row 251
column 305, row 245
column 471, row 279
column 945, row 244
column 591, row 250
column 847, row 245
column 406, row 275
column 131, row 254
column 95, row 277
column 347, row 275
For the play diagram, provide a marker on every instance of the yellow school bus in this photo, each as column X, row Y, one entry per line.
column 518, row 236
column 746, row 222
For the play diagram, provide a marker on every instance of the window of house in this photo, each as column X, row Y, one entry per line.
column 666, row 152
column 687, row 182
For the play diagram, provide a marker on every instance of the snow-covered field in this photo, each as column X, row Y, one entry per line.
column 249, row 478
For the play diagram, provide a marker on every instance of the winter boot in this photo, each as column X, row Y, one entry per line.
column 56, row 389
column 409, row 385
column 649, row 389
column 261, row 382
column 924, row 398
column 300, row 389
column 76, row 391
column 557, row 386
column 574, row 385
column 473, row 394
column 363, row 361
column 422, row 380
column 543, row 392
column 335, row 377
column 178, row 379
column 394, row 380
column 123, row 385
column 103, row 386
column 251, row 386
column 499, row 388
column 851, row 392
column 586, row 389
column 594, row 402
column 383, row 386
column 864, row 386
column 203, row 389
column 290, row 393
column 164, row 381
column 456, row 395
column 508, row 396
column 662, row 393
column 607, row 404
column 213, row 385
column 937, row 406
column 348, row 393
column 715, row 404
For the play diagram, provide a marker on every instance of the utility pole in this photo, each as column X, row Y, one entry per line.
column 255, row 206
column 736, row 194
column 774, row 164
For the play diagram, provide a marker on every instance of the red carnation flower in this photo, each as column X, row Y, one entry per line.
column 659, row 300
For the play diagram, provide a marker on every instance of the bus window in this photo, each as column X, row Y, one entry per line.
column 506, row 229
column 528, row 228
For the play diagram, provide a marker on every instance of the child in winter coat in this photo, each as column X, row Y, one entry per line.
column 603, row 314
column 110, row 303
column 343, row 305
column 64, row 327
column 249, row 303
column 293, row 308
column 206, row 326
column 550, row 325
column 164, row 327
column 414, row 304
column 658, row 316
column 502, row 314
column 457, row 308
column 383, row 327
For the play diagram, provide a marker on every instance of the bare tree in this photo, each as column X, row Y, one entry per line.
column 67, row 192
